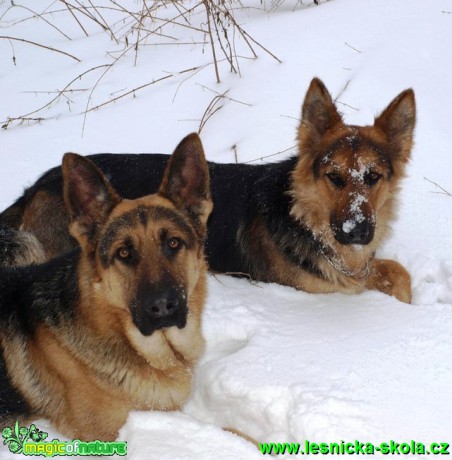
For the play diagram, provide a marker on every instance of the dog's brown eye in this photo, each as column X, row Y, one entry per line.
column 173, row 243
column 372, row 178
column 123, row 252
column 336, row 180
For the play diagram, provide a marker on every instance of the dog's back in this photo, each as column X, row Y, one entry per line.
column 34, row 228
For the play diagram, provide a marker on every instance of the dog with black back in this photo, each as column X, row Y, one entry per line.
column 313, row 221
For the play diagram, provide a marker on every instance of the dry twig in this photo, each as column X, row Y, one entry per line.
column 6, row 37
column 443, row 190
column 272, row 154
column 20, row 118
column 211, row 110
column 149, row 20
column 353, row 48
column 212, row 43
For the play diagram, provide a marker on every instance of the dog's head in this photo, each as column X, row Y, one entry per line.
column 346, row 178
column 142, row 260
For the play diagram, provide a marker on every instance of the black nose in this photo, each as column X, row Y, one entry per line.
column 159, row 307
column 162, row 304
column 356, row 233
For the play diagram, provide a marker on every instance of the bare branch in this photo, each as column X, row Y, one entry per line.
column 40, row 45
column 354, row 49
column 443, row 190
column 224, row 95
column 212, row 43
column 210, row 111
column 9, row 120
column 272, row 154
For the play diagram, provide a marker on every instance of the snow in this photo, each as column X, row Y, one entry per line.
column 280, row 365
column 358, row 174
column 166, row 436
column 355, row 211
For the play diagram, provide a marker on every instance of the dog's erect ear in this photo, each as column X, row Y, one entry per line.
column 397, row 122
column 318, row 114
column 88, row 195
column 186, row 180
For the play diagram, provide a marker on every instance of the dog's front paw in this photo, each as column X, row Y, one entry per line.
column 390, row 277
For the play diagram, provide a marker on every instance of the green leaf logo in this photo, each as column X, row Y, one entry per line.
column 15, row 438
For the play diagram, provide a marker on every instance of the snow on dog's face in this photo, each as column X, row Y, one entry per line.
column 346, row 179
column 354, row 176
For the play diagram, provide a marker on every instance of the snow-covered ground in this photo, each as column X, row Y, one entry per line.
column 280, row 365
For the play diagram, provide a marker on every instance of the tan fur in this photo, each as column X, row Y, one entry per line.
column 390, row 277
column 242, row 435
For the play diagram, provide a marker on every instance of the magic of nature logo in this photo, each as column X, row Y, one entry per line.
column 32, row 441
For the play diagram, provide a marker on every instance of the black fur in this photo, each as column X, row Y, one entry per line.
column 12, row 248
column 44, row 293
column 241, row 195
column 11, row 401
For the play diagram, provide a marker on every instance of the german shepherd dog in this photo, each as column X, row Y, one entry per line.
column 313, row 221
column 114, row 325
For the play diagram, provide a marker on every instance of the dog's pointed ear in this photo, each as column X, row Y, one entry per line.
column 88, row 195
column 186, row 181
column 318, row 114
column 397, row 122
